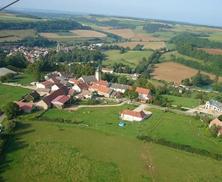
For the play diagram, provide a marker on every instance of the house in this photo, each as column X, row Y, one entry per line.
column 85, row 94
column 107, row 70
column 91, row 78
column 79, row 85
column 214, row 106
column 120, row 87
column 32, row 97
column 128, row 115
column 101, row 90
column 218, row 123
column 6, row 71
column 25, row 107
column 56, row 86
column 102, row 83
column 60, row 101
column 46, row 102
column 144, row 94
column 45, row 85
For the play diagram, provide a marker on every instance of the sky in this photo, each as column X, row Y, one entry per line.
column 194, row 11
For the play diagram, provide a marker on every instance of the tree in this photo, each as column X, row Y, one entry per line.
column 220, row 117
column 214, row 131
column 17, row 60
column 11, row 110
column 131, row 94
column 8, row 126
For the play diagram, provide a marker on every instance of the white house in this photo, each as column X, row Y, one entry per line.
column 78, row 85
column 144, row 94
column 120, row 87
column 128, row 115
column 214, row 106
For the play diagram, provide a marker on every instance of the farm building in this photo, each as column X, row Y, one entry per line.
column 25, row 107
column 60, row 101
column 6, row 71
column 46, row 102
column 120, row 87
column 128, row 115
column 214, row 106
column 107, row 70
column 144, row 94
column 101, row 90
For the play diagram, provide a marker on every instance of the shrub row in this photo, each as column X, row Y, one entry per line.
column 186, row 148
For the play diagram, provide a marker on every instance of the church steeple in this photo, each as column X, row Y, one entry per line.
column 98, row 73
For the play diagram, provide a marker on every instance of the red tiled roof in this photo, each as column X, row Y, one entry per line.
column 62, row 99
column 25, row 106
column 100, row 88
column 216, row 122
column 62, row 91
column 73, row 81
column 134, row 113
column 71, row 92
column 48, row 84
column 81, row 85
column 144, row 91
column 102, row 83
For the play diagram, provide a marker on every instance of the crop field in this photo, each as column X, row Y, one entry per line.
column 175, row 72
column 147, row 45
column 183, row 101
column 75, row 34
column 212, row 51
column 9, row 94
column 130, row 34
column 216, row 36
column 6, row 17
column 131, row 58
column 14, row 35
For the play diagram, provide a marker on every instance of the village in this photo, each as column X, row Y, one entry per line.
column 63, row 93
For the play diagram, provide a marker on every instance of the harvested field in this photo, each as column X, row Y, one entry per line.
column 212, row 51
column 130, row 34
column 75, row 34
column 147, row 45
column 174, row 72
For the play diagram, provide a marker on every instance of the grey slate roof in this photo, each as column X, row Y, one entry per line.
column 215, row 103
column 5, row 71
column 119, row 86
column 89, row 79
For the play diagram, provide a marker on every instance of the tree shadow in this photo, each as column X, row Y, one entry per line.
column 14, row 143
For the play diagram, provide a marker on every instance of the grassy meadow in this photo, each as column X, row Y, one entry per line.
column 9, row 94
column 183, row 101
column 52, row 151
column 130, row 58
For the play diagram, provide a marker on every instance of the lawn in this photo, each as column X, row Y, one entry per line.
column 9, row 94
column 131, row 58
column 183, row 101
column 170, row 126
column 46, row 151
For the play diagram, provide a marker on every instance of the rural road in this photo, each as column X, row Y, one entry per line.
column 19, row 85
column 75, row 108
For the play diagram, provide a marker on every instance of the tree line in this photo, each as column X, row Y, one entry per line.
column 156, row 27
column 44, row 26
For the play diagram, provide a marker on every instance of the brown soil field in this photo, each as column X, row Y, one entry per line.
column 174, row 72
column 75, row 34
column 130, row 34
column 147, row 45
column 212, row 51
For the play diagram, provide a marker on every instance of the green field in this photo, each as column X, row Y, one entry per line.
column 14, row 35
column 6, row 17
column 23, row 78
column 9, row 94
column 170, row 126
column 217, row 36
column 51, row 151
column 183, row 101
column 131, row 58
